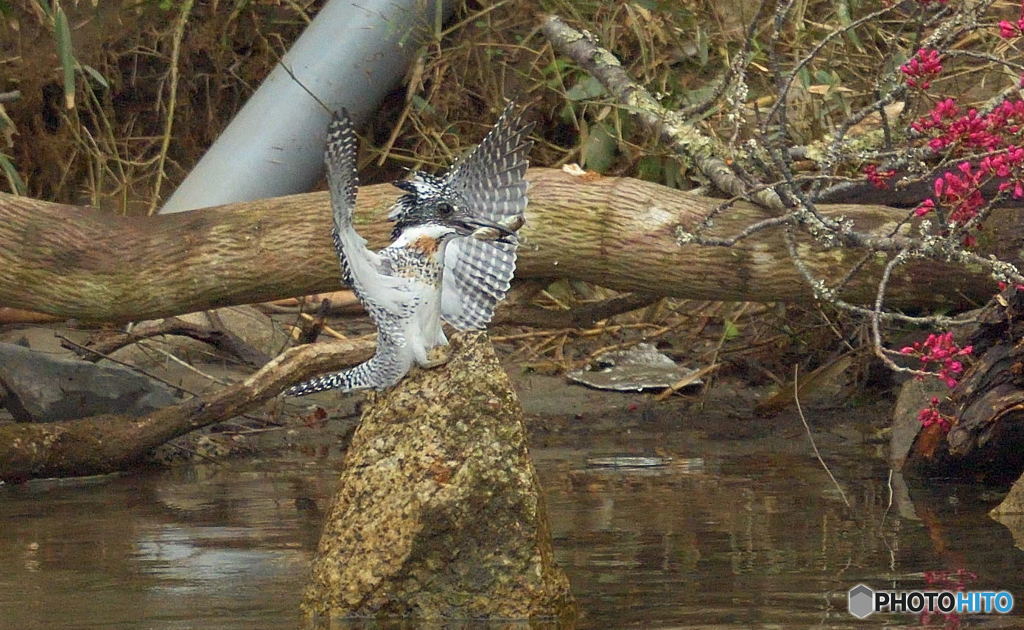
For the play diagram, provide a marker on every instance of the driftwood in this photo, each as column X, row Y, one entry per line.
column 617, row 232
column 18, row 316
column 103, row 444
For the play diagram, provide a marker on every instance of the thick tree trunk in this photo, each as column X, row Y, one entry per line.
column 617, row 232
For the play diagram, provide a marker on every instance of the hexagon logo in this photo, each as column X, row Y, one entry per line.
column 859, row 601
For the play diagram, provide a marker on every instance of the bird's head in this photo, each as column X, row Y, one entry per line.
column 429, row 200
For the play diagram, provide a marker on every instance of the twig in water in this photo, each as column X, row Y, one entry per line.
column 796, row 397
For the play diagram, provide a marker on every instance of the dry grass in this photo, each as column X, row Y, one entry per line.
column 126, row 143
column 756, row 343
column 107, row 149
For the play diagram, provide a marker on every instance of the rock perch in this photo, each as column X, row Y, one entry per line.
column 438, row 514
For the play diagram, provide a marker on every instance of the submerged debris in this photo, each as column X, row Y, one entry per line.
column 632, row 370
column 628, row 461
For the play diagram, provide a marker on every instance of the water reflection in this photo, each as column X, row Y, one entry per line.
column 753, row 536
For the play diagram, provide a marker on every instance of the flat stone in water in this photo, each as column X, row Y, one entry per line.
column 44, row 388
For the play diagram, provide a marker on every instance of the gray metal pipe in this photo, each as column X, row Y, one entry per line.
column 350, row 55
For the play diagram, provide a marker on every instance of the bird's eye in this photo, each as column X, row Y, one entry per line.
column 445, row 209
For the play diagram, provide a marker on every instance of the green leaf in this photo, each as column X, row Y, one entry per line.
column 703, row 45
column 675, row 176
column 585, row 89
column 555, row 73
column 556, row 67
column 422, row 104
column 805, row 77
column 95, row 74
column 13, row 179
column 567, row 113
column 649, row 168
column 843, row 13
column 599, row 148
column 66, row 53
column 730, row 330
column 824, row 78
column 45, row 6
column 5, row 124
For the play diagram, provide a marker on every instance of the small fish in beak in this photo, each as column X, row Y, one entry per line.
column 499, row 231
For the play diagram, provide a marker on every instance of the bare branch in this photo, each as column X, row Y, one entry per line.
column 681, row 137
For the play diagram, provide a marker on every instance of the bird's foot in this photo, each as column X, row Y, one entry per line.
column 436, row 357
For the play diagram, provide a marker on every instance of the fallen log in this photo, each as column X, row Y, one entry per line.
column 77, row 262
column 108, row 443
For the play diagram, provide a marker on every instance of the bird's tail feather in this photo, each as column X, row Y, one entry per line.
column 380, row 372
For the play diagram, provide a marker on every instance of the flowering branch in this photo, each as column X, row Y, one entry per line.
column 972, row 159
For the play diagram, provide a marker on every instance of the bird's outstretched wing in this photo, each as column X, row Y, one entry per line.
column 365, row 271
column 477, row 274
column 357, row 261
column 361, row 268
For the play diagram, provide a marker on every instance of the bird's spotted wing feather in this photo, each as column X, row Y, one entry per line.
column 477, row 274
column 340, row 160
column 342, row 182
column 361, row 268
column 368, row 273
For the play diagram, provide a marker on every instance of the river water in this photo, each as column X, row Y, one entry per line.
column 737, row 529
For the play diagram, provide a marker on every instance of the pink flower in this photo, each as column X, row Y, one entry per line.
column 930, row 415
column 926, row 206
column 940, row 350
column 879, row 179
column 922, row 67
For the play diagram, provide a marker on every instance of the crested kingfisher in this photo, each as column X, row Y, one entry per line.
column 452, row 255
